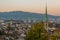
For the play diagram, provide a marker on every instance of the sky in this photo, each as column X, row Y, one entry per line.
column 37, row 6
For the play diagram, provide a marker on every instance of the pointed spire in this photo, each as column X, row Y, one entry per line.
column 46, row 17
column 46, row 13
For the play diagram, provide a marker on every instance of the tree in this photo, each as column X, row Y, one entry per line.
column 36, row 32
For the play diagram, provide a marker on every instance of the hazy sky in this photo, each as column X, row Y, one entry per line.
column 31, row 6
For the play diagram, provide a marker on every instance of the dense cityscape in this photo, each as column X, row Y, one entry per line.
column 35, row 24
column 17, row 29
column 30, row 29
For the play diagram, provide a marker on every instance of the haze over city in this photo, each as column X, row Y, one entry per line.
column 37, row 6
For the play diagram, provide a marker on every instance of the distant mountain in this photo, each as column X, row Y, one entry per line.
column 25, row 15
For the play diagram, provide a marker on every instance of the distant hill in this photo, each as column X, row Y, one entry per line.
column 25, row 15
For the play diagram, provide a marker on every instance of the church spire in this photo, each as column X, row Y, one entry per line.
column 46, row 17
column 46, row 13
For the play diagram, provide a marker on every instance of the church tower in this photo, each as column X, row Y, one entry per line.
column 46, row 17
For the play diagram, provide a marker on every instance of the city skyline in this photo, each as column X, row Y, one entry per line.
column 30, row 6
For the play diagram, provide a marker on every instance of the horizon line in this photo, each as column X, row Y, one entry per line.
column 29, row 12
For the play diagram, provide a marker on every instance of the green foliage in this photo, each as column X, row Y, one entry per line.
column 58, row 25
column 52, row 37
column 36, row 32
column 2, row 33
